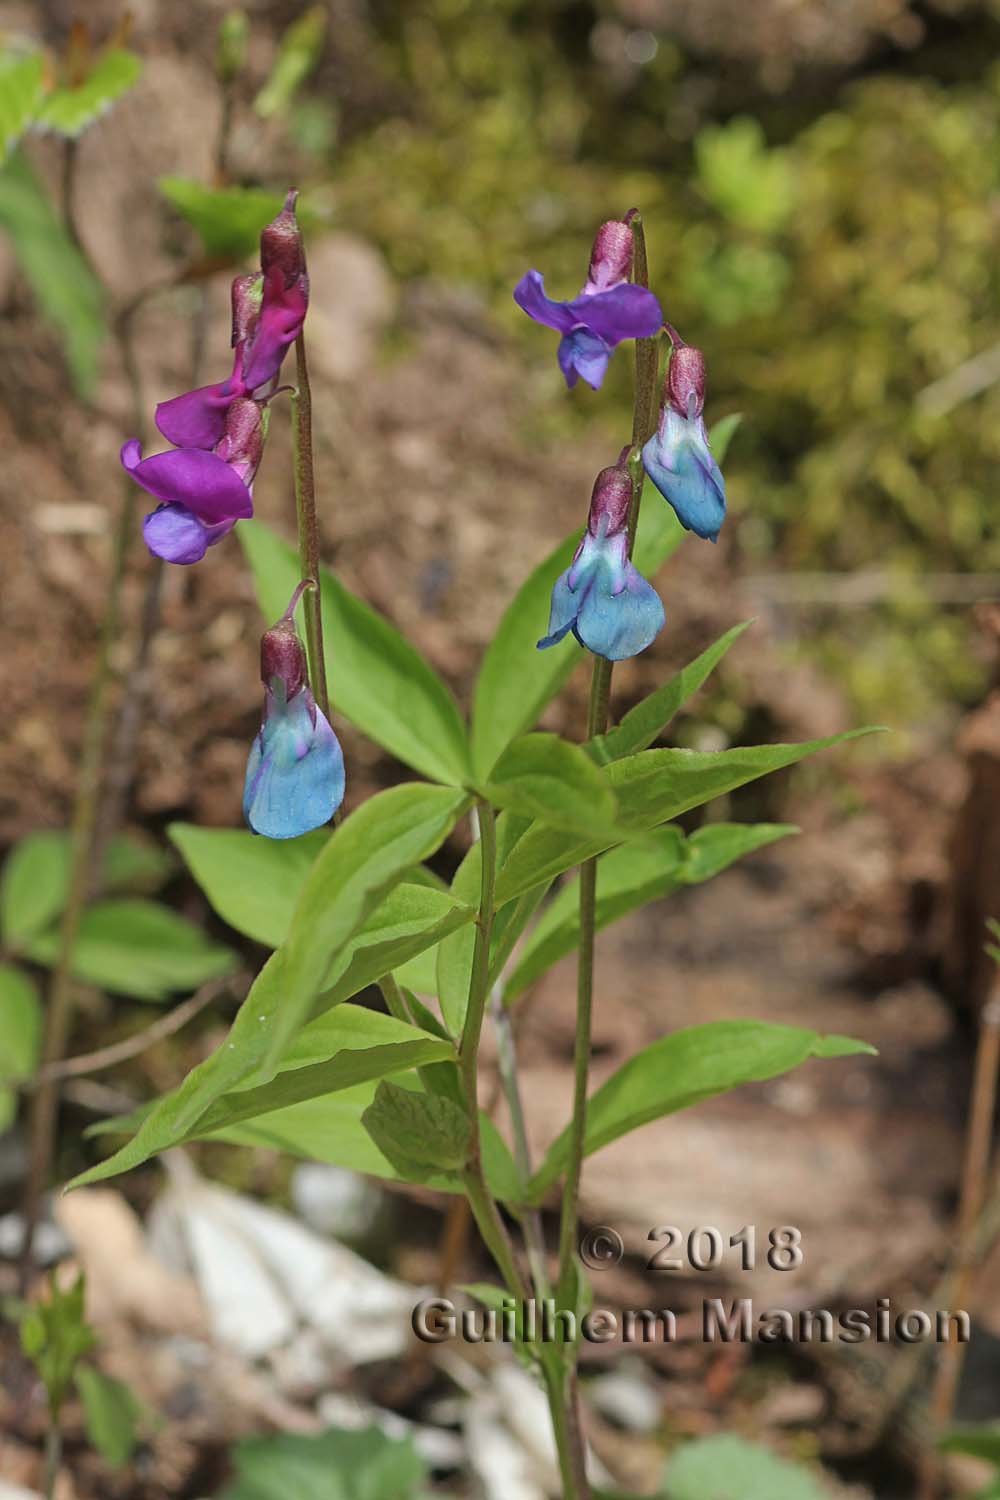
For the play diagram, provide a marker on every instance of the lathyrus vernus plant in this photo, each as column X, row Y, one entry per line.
column 395, row 1093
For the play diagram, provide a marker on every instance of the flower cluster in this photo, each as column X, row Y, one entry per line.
column 601, row 597
column 295, row 773
column 205, row 482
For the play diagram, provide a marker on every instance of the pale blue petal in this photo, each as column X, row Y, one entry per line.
column 295, row 772
column 679, row 462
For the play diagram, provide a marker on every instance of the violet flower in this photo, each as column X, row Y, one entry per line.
column 677, row 457
column 609, row 308
column 601, row 597
column 295, row 772
column 203, row 493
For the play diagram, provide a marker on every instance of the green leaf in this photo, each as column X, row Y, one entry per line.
column 658, row 534
column 140, row 949
column 335, row 1465
column 642, row 724
column 68, row 111
column 652, row 788
column 722, row 434
column 376, row 678
column 54, row 1335
column 228, row 221
column 726, row 1467
column 22, row 90
column 112, row 1413
column 341, row 1049
column 632, row 876
column 683, row 1069
column 411, row 920
column 35, row 879
column 420, row 1134
column 366, row 856
column 252, row 883
column 546, row 777
column 33, row 886
column 20, row 1034
column 65, row 288
column 979, row 1439
column 299, row 52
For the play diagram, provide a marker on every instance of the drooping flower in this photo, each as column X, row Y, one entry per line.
column 284, row 297
column 295, row 772
column 608, row 309
column 203, row 493
column 677, row 457
column 602, row 597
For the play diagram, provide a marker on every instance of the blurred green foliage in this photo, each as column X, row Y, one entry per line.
column 831, row 276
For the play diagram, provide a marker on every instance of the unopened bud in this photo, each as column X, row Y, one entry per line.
column 281, row 245
column 247, row 295
column 283, row 656
column 610, row 502
column 231, row 45
column 684, row 387
column 611, row 257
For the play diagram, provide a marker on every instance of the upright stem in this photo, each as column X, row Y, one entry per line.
column 53, row 1456
column 643, row 427
column 305, row 509
column 479, row 981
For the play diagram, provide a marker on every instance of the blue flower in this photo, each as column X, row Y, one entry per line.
column 608, row 309
column 678, row 460
column 295, row 772
column 601, row 597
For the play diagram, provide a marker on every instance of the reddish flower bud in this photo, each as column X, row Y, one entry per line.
column 247, row 295
column 281, row 247
column 611, row 257
column 684, row 387
column 610, row 502
column 283, row 656
column 243, row 441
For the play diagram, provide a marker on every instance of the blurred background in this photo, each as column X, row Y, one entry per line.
column 820, row 185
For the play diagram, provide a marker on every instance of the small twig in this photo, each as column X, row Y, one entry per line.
column 979, row 1136
column 118, row 1052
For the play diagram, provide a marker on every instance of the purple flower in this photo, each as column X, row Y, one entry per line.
column 601, row 597
column 677, row 457
column 608, row 309
column 295, row 772
column 203, row 493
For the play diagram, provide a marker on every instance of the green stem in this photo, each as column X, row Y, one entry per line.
column 305, row 509
column 479, row 981
column 53, row 1457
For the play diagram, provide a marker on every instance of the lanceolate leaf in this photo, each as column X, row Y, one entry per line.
column 21, row 94
column 68, row 111
column 339, row 1050
column 253, row 883
column 631, row 876
column 139, row 949
column 20, row 1033
column 722, row 434
column 546, row 777
column 683, row 1069
column 652, row 788
column 64, row 286
column 516, row 680
column 642, row 724
column 228, row 221
column 376, row 678
column 367, row 855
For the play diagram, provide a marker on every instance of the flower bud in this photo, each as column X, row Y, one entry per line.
column 283, row 656
column 610, row 502
column 684, row 387
column 611, row 257
column 281, row 247
column 247, row 295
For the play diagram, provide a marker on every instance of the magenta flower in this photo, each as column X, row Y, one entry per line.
column 609, row 308
column 203, row 493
